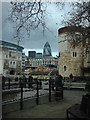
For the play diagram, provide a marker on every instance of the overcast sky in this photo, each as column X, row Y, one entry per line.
column 37, row 40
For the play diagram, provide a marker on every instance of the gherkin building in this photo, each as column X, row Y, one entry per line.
column 47, row 50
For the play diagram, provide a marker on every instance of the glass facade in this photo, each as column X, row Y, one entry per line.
column 47, row 50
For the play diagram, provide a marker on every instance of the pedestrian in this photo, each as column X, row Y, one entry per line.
column 30, row 81
column 59, row 82
column 3, row 82
column 20, row 80
column 40, row 83
column 16, row 78
column 52, row 83
column 24, row 80
column 59, row 87
column 71, row 78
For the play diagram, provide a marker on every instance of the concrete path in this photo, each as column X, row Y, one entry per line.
column 55, row 109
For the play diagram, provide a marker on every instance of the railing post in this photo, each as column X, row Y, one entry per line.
column 49, row 90
column 20, row 82
column 8, row 83
column 37, row 97
column 21, row 100
column 3, row 82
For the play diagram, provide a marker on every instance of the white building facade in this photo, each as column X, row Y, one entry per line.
column 10, row 58
column 41, row 62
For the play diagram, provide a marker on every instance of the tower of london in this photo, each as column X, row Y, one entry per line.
column 74, row 56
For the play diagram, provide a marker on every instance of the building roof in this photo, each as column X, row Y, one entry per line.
column 70, row 29
column 9, row 44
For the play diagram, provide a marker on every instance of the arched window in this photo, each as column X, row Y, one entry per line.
column 74, row 54
column 65, row 68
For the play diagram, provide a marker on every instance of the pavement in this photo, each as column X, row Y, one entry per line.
column 53, row 109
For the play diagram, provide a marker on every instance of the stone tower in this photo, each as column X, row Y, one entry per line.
column 71, row 51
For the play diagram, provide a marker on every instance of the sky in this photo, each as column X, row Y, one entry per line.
column 37, row 39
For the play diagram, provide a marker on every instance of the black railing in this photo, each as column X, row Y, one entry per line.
column 15, row 91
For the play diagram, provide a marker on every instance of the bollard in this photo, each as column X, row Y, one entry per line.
column 50, row 90
column 8, row 83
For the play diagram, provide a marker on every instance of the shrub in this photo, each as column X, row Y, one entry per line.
column 38, row 73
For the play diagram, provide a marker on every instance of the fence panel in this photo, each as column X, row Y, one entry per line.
column 26, row 95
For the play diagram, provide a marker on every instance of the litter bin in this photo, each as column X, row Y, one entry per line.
column 59, row 94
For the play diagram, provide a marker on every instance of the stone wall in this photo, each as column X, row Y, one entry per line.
column 71, row 58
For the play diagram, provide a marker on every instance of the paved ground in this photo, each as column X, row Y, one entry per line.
column 55, row 109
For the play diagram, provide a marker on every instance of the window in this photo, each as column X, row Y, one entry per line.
column 6, row 56
column 77, row 36
column 9, row 54
column 18, row 57
column 64, row 68
column 74, row 54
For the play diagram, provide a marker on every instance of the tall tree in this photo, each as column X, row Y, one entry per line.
column 27, row 16
column 80, row 16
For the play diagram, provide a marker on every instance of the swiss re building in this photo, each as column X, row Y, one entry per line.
column 47, row 50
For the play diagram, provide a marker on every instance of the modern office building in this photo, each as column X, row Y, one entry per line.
column 39, row 60
column 47, row 50
column 38, row 55
column 10, row 58
column 32, row 54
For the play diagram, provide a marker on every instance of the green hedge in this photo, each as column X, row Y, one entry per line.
column 88, row 82
column 38, row 73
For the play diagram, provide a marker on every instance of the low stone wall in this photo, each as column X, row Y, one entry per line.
column 74, row 85
column 12, row 77
column 27, row 103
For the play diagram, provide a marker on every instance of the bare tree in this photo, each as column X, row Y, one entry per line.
column 27, row 16
column 80, row 18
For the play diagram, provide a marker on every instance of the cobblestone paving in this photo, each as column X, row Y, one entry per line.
column 55, row 109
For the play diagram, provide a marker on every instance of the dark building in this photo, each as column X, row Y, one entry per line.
column 47, row 50
column 38, row 55
column 32, row 54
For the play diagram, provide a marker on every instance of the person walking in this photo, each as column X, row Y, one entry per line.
column 30, row 81
column 70, row 79
column 3, row 82
column 59, row 82
column 24, row 81
column 59, row 87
